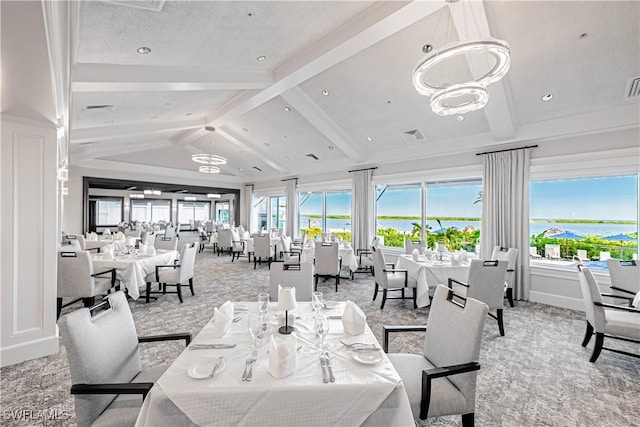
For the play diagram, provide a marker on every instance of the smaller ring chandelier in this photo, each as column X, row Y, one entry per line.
column 209, row 159
column 209, row 169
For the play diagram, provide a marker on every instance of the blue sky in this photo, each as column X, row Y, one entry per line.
column 593, row 198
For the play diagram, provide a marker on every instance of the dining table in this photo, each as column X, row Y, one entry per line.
column 429, row 273
column 367, row 389
column 118, row 244
column 133, row 268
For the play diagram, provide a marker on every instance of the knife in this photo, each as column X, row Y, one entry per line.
column 210, row 346
column 328, row 360
column 325, row 369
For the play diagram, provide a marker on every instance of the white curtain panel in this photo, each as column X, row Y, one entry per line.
column 292, row 208
column 245, row 213
column 505, row 210
column 362, row 208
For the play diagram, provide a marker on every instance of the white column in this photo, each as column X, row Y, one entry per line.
column 28, row 249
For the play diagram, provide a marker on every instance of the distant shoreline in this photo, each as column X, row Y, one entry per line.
column 449, row 218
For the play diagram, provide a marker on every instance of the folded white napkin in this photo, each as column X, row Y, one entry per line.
column 120, row 235
column 353, row 319
column 415, row 254
column 455, row 259
column 222, row 318
column 107, row 252
column 142, row 248
column 151, row 250
column 282, row 356
column 427, row 252
column 464, row 256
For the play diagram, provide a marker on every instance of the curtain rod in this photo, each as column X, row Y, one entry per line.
column 365, row 169
column 288, row 179
column 507, row 149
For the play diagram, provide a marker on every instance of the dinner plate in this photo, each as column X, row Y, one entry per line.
column 367, row 357
column 331, row 304
column 203, row 370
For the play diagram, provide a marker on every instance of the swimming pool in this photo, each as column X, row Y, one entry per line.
column 596, row 265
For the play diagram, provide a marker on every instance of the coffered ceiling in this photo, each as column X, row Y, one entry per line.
column 302, row 87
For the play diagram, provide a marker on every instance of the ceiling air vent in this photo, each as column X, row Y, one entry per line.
column 257, row 168
column 100, row 107
column 313, row 156
column 633, row 88
column 412, row 136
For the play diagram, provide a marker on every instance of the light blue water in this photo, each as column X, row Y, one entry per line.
column 535, row 228
column 597, row 265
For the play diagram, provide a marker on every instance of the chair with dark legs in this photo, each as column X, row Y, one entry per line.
column 262, row 249
column 625, row 277
column 607, row 320
column 77, row 281
column 442, row 380
column 509, row 254
column 365, row 259
column 174, row 274
column 108, row 380
column 327, row 262
column 389, row 278
column 486, row 284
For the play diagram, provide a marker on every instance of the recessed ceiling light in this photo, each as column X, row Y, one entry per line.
column 267, row 144
column 285, row 158
column 325, row 92
column 239, row 169
column 287, row 109
column 261, row 58
column 547, row 97
column 188, row 114
column 250, row 14
column 210, row 128
column 460, row 118
column 144, row 50
column 369, row 139
column 284, row 137
column 331, row 147
column 583, row 36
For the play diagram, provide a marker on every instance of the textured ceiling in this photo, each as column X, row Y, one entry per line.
column 203, row 71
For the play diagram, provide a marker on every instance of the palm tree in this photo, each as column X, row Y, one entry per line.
column 478, row 198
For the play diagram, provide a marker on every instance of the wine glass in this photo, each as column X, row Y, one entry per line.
column 263, row 303
column 255, row 328
column 322, row 327
column 317, row 302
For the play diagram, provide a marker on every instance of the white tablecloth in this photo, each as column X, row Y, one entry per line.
column 131, row 270
column 361, row 395
column 93, row 244
column 636, row 300
column 349, row 259
column 431, row 273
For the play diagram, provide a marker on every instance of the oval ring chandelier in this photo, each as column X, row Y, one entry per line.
column 209, row 169
column 209, row 159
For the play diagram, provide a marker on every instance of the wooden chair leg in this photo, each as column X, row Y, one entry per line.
column 510, row 296
column 337, row 281
column 315, row 288
column 375, row 292
column 587, row 335
column 146, row 299
column 598, row 347
column 500, row 321
column 191, row 285
column 468, row 420
column 58, row 307
column 88, row 302
column 255, row 262
column 415, row 296
column 179, row 289
column 384, row 298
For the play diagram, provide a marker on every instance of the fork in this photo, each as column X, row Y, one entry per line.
column 248, row 369
column 358, row 345
column 217, row 366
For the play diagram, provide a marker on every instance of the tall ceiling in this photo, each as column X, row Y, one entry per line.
column 281, row 81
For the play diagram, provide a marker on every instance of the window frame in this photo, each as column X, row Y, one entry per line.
column 114, row 198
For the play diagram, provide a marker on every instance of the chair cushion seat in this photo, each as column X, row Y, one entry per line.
column 446, row 399
column 623, row 323
column 124, row 410
column 167, row 275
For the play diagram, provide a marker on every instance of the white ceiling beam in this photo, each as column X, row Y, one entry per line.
column 259, row 154
column 308, row 109
column 94, row 151
column 376, row 24
column 471, row 23
column 132, row 78
column 129, row 130
column 228, row 168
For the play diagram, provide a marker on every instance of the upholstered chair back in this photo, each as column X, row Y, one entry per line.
column 262, row 246
column 591, row 295
column 166, row 243
column 132, row 233
column 510, row 255
column 453, row 336
column 187, row 261
column 74, row 275
column 170, row 231
column 410, row 245
column 379, row 267
column 224, row 238
column 298, row 276
column 486, row 282
column 625, row 274
column 149, row 237
column 102, row 350
column 78, row 238
column 326, row 255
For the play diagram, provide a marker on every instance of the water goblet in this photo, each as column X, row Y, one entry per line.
column 263, row 303
column 256, row 328
column 317, row 302
column 322, row 327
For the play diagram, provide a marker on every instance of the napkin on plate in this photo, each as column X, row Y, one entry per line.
column 353, row 319
column 151, row 250
column 222, row 318
column 107, row 252
column 415, row 254
column 282, row 355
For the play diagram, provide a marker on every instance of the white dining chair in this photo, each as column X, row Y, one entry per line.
column 166, row 243
column 174, row 274
column 388, row 278
column 299, row 276
column 262, row 249
column 327, row 262
column 510, row 255
column 625, row 277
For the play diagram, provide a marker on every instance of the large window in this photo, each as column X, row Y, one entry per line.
column 445, row 212
column 278, row 212
column 193, row 211
column 259, row 212
column 325, row 212
column 223, row 212
column 596, row 215
column 108, row 211
column 151, row 210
